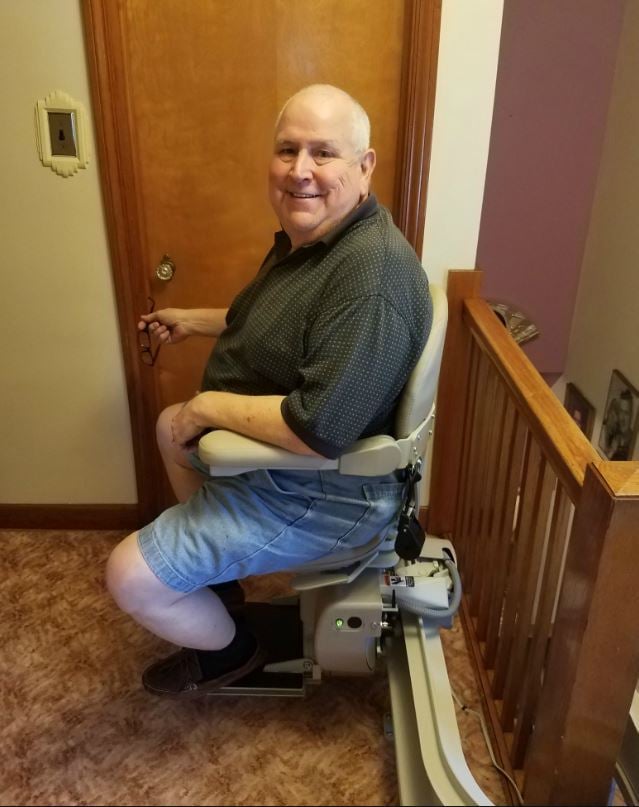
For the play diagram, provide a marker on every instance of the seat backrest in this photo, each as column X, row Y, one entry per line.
column 415, row 406
column 419, row 393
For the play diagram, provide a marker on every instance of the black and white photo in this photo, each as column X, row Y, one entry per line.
column 580, row 409
column 619, row 429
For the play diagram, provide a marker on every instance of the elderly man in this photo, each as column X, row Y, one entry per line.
column 311, row 356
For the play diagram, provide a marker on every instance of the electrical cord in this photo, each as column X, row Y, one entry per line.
column 484, row 729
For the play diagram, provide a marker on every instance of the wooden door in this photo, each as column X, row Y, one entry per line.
column 185, row 97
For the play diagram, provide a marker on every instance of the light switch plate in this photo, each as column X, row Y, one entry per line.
column 61, row 132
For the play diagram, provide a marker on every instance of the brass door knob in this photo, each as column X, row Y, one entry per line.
column 165, row 269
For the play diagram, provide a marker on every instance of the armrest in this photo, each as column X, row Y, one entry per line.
column 228, row 453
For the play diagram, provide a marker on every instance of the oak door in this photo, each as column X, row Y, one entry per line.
column 186, row 93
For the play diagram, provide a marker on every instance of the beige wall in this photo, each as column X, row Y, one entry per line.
column 605, row 331
column 466, row 74
column 65, row 433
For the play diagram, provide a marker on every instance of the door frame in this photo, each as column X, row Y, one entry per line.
column 124, row 213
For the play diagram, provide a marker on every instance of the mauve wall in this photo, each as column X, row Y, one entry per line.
column 556, row 65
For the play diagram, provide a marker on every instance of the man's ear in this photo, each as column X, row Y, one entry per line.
column 368, row 163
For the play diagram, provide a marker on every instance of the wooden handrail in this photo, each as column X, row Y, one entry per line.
column 562, row 441
column 547, row 536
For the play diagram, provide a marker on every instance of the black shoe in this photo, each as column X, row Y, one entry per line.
column 190, row 671
column 231, row 593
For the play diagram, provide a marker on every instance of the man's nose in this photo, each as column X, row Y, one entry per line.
column 301, row 167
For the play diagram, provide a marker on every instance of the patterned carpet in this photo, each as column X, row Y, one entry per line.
column 78, row 729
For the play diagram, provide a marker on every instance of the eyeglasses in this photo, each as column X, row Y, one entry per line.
column 147, row 353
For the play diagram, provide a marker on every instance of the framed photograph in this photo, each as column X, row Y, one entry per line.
column 580, row 409
column 621, row 417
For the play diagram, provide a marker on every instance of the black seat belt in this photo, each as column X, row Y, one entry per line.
column 410, row 534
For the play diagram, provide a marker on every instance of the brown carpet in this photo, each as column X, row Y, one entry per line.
column 77, row 728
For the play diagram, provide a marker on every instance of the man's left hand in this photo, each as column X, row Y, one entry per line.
column 184, row 426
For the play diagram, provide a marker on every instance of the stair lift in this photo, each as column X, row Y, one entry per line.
column 366, row 608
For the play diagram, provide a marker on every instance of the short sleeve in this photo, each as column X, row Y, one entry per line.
column 356, row 363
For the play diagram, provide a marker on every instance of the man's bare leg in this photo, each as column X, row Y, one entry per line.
column 215, row 651
column 184, row 479
column 198, row 619
column 220, row 651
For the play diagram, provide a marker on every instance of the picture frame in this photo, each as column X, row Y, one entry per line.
column 618, row 435
column 580, row 409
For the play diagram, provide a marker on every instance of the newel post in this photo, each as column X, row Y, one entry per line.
column 451, row 404
column 593, row 663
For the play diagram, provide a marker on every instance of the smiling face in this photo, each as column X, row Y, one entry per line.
column 316, row 176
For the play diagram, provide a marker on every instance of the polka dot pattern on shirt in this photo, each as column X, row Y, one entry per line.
column 335, row 327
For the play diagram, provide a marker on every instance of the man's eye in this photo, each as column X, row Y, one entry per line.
column 285, row 152
column 323, row 154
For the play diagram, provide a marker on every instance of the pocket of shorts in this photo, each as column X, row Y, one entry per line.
column 382, row 505
column 307, row 484
column 361, row 532
column 385, row 491
column 387, row 500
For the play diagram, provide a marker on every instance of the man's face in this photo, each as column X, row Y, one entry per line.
column 315, row 176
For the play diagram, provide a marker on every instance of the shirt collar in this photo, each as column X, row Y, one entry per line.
column 362, row 211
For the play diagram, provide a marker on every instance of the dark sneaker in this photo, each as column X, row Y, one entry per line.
column 181, row 673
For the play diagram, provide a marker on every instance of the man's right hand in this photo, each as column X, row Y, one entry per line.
column 166, row 325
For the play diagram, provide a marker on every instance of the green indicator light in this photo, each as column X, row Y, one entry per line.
column 339, row 623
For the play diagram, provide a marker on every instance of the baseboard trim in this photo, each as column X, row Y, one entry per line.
column 86, row 517
column 70, row 516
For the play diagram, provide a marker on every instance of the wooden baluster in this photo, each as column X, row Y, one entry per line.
column 518, row 452
column 488, row 536
column 529, row 585
column 493, row 543
column 482, row 470
column 514, row 587
column 557, row 540
column 473, row 504
column 593, row 663
column 462, row 515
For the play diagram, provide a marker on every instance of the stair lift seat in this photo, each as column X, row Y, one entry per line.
column 358, row 608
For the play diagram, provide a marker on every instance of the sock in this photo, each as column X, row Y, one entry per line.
column 216, row 662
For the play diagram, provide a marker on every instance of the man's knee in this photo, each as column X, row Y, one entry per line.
column 163, row 426
column 131, row 583
column 171, row 451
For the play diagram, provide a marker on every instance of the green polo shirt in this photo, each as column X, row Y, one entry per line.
column 335, row 327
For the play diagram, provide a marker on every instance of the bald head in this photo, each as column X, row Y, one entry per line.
column 321, row 166
column 329, row 101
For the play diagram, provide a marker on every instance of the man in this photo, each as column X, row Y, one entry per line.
column 311, row 356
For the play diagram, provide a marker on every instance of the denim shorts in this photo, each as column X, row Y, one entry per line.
column 267, row 521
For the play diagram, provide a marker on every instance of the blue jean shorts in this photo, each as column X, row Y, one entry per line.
column 267, row 521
